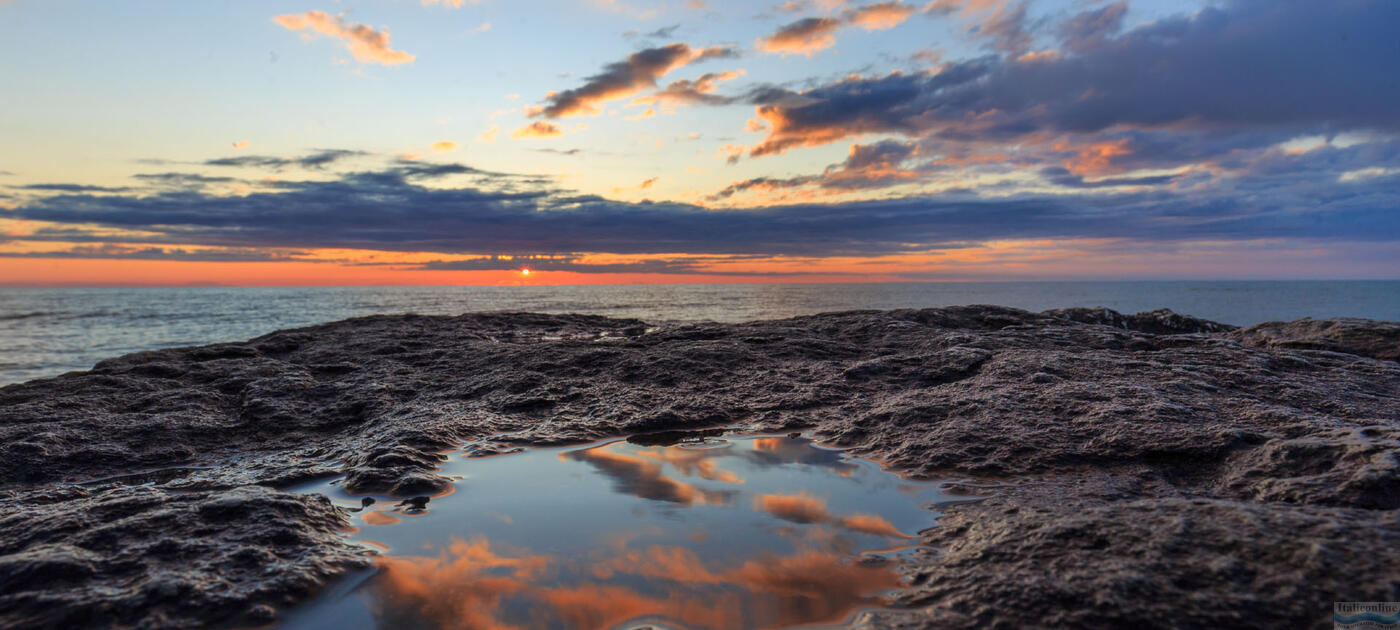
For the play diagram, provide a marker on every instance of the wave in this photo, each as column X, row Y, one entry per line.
column 33, row 315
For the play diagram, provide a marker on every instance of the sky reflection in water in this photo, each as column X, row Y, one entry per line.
column 731, row 532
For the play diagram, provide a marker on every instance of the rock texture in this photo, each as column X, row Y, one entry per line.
column 1153, row 470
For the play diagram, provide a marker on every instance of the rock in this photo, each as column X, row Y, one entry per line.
column 128, row 557
column 1361, row 337
column 415, row 503
column 1159, row 322
column 1150, row 470
column 1156, row 563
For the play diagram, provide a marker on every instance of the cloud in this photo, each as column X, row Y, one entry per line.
column 444, row 146
column 1009, row 28
column 813, row 585
column 872, row 524
column 1234, row 67
column 814, row 34
column 1064, row 177
column 803, row 37
column 622, row 79
column 646, row 479
column 563, row 263
column 879, row 16
column 1092, row 29
column 867, row 166
column 72, row 188
column 537, row 129
column 690, row 92
column 489, row 136
column 665, row 32
column 312, row 161
column 456, row 4
column 240, row 145
column 797, row 508
column 183, row 180
column 1269, row 194
column 646, row 183
column 364, row 43
column 112, row 251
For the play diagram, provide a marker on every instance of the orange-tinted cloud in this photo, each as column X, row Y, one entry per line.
column 240, row 145
column 811, row 35
column 687, row 92
column 784, row 133
column 444, row 146
column 693, row 463
column 646, row 183
column 880, row 16
column 377, row 517
column 465, row 587
column 537, row 129
column 798, row 508
column 803, row 37
column 871, row 524
column 867, row 166
column 622, row 79
column 366, row 44
column 1096, row 158
column 489, row 136
column 461, row 588
column 645, row 479
column 456, row 4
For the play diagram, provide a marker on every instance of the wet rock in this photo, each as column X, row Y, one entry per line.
column 1151, row 469
column 415, row 504
column 1152, row 563
column 672, row 438
column 129, row 557
column 418, row 483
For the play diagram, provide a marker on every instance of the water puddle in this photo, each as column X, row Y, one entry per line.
column 716, row 532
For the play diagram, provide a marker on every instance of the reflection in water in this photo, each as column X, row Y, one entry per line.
column 646, row 479
column 469, row 586
column 798, row 508
column 724, row 533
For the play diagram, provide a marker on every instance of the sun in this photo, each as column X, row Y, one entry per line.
column 525, row 271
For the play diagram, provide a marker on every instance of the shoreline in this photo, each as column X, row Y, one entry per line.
column 1173, row 471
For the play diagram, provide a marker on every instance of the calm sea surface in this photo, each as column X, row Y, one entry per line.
column 44, row 332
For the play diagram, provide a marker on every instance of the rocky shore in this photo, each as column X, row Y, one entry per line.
column 1151, row 470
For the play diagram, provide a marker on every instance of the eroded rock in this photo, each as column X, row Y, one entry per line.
column 140, row 557
column 1153, row 469
column 1379, row 340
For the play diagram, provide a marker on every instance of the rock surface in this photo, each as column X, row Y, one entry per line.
column 1153, row 470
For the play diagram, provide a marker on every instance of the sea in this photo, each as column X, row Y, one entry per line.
column 46, row 332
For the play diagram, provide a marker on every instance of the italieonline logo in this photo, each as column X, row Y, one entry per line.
column 1366, row 615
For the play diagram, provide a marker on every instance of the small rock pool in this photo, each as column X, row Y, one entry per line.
column 664, row 531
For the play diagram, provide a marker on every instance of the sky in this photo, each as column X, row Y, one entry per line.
column 367, row 142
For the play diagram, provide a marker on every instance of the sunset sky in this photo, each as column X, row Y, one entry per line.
column 329, row 142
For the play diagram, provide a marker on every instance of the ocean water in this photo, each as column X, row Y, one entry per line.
column 45, row 332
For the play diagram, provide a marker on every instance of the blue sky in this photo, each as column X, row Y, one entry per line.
column 952, row 139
